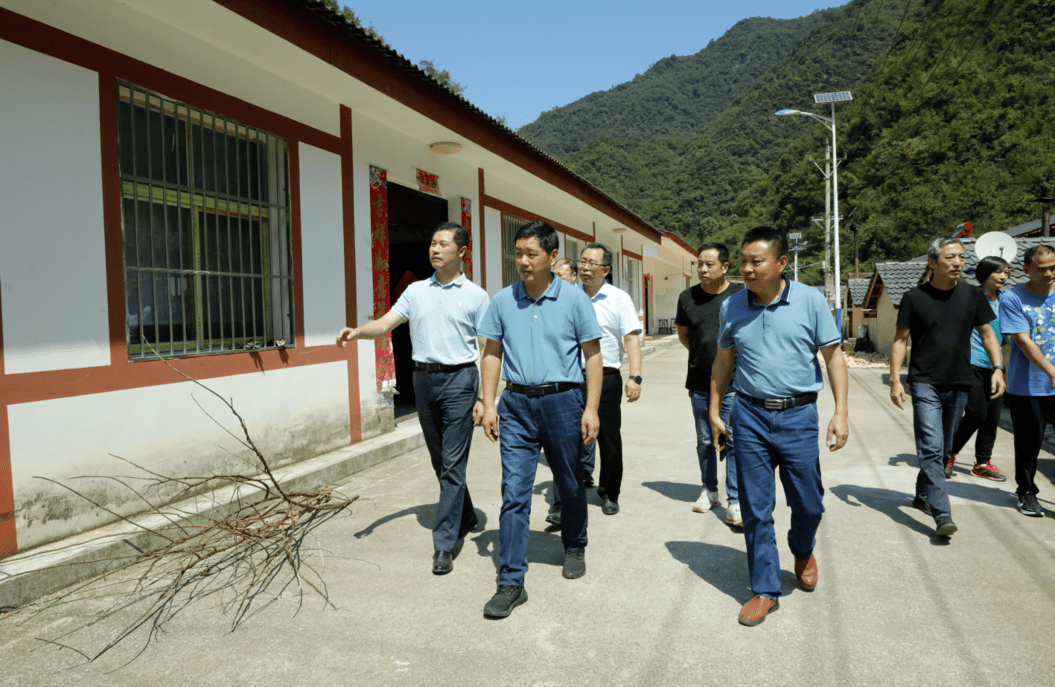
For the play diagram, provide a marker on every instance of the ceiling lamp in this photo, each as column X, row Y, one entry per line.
column 620, row 230
column 445, row 148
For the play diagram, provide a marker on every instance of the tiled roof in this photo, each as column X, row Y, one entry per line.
column 899, row 277
column 1023, row 229
column 360, row 35
column 859, row 289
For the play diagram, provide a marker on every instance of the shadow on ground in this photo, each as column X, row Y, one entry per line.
column 676, row 491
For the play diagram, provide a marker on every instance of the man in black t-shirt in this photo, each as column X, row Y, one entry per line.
column 697, row 323
column 939, row 316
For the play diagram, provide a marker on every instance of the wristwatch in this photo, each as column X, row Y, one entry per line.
column 999, row 367
column 635, row 378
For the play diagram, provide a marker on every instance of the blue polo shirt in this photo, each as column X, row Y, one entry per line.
column 1024, row 312
column 443, row 319
column 776, row 344
column 541, row 340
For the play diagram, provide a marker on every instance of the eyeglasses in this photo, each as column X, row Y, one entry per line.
column 591, row 263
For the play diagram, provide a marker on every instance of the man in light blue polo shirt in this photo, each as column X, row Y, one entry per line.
column 444, row 312
column 535, row 330
column 770, row 333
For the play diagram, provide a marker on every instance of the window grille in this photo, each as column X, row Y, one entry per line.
column 510, row 224
column 205, row 220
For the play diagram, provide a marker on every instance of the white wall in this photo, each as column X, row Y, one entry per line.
column 292, row 414
column 322, row 245
column 494, row 251
column 53, row 262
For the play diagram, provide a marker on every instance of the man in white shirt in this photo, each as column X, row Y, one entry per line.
column 619, row 326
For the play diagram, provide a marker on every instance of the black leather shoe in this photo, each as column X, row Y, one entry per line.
column 554, row 516
column 442, row 563
column 468, row 527
column 508, row 597
column 920, row 502
column 610, row 507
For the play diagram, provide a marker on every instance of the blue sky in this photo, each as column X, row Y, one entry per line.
column 519, row 59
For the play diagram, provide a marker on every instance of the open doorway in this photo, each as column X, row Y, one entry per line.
column 412, row 215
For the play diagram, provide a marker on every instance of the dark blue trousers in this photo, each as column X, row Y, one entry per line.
column 445, row 410
column 766, row 441
column 554, row 423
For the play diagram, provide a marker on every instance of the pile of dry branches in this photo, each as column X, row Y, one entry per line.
column 247, row 546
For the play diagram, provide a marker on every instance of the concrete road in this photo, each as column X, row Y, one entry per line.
column 658, row 605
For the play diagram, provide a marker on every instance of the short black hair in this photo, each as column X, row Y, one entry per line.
column 461, row 236
column 988, row 265
column 723, row 251
column 774, row 237
column 570, row 263
column 546, row 235
column 604, row 249
column 1034, row 251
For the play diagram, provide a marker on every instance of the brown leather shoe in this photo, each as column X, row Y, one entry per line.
column 755, row 610
column 806, row 572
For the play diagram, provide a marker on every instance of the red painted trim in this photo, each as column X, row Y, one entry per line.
column 681, row 242
column 483, row 228
column 522, row 213
column 295, row 240
column 113, row 242
column 8, row 537
column 360, row 60
column 45, row 386
column 351, row 312
column 631, row 254
column 467, row 223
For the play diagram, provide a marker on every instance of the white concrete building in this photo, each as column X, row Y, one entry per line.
column 226, row 184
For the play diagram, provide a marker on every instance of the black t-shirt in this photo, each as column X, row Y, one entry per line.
column 940, row 324
column 698, row 310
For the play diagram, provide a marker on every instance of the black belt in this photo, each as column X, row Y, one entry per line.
column 541, row 389
column 607, row 371
column 780, row 403
column 440, row 367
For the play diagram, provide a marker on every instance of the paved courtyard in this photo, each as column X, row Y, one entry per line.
column 658, row 605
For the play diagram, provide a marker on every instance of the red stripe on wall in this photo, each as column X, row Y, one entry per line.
column 8, row 538
column 113, row 241
column 351, row 315
column 294, row 235
column 523, row 213
column 483, row 228
column 631, row 254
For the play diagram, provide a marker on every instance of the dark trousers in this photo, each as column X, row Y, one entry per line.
column 445, row 410
column 1029, row 416
column 610, row 438
column 553, row 423
column 982, row 415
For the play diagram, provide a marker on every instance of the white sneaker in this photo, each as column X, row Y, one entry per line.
column 707, row 501
column 732, row 515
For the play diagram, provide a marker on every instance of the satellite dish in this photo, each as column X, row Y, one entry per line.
column 996, row 244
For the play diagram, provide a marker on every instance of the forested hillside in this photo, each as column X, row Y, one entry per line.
column 676, row 95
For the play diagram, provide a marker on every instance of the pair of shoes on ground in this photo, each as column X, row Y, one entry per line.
column 755, row 611
column 984, row 470
column 707, row 501
column 1028, row 505
column 732, row 515
column 509, row 596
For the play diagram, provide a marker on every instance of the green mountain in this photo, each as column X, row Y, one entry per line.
column 676, row 95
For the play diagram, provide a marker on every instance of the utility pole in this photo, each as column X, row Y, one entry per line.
column 828, row 290
column 795, row 237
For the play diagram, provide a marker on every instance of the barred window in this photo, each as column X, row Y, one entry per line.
column 206, row 230
column 510, row 224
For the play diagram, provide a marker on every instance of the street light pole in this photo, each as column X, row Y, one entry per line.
column 832, row 98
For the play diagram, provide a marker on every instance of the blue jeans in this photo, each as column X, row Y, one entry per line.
column 767, row 440
column 445, row 410
column 936, row 413
column 553, row 422
column 705, row 450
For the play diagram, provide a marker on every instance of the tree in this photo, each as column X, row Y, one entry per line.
column 443, row 77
